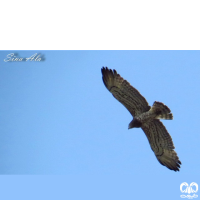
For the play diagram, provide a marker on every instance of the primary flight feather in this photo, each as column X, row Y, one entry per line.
column 145, row 117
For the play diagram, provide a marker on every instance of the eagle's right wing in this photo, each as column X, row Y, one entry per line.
column 162, row 144
column 124, row 92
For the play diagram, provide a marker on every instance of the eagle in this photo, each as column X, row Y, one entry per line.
column 145, row 117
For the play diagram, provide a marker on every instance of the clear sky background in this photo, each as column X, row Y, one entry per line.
column 57, row 118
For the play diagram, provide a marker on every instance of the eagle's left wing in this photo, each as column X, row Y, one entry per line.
column 161, row 143
column 124, row 92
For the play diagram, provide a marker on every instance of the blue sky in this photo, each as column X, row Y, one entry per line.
column 57, row 118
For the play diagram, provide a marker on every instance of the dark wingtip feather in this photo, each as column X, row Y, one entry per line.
column 103, row 70
column 106, row 70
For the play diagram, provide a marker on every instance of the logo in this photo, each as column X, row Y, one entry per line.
column 13, row 57
column 190, row 189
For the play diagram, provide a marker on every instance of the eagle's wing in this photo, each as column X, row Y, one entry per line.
column 124, row 92
column 161, row 143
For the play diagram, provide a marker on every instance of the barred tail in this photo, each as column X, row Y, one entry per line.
column 165, row 116
column 162, row 111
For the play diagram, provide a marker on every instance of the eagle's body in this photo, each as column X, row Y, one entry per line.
column 145, row 116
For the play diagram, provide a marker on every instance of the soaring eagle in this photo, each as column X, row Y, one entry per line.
column 145, row 117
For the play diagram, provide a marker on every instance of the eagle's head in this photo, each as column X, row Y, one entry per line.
column 134, row 124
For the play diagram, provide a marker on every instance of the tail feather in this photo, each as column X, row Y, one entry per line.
column 165, row 116
column 162, row 111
